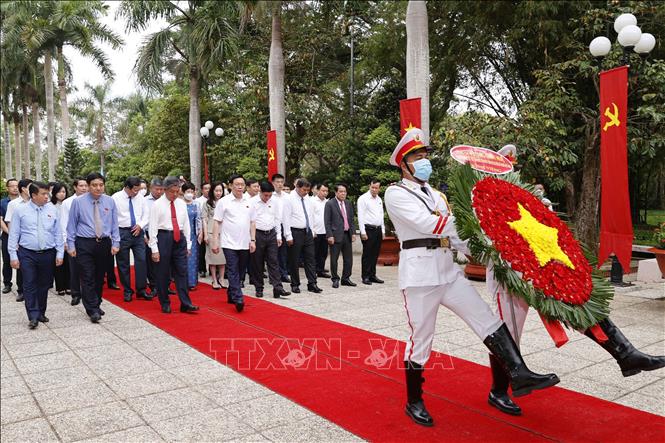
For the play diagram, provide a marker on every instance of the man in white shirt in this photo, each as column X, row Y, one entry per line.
column 372, row 230
column 156, row 191
column 80, row 187
column 266, row 237
column 297, row 218
column 252, row 188
column 24, row 198
column 132, row 220
column 277, row 181
column 232, row 217
column 201, row 201
column 171, row 244
column 318, row 202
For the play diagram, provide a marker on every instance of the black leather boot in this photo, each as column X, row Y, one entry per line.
column 415, row 407
column 522, row 379
column 498, row 396
column 631, row 360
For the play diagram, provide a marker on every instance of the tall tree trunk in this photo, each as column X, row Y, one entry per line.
column 50, row 117
column 276, row 88
column 37, row 140
column 18, row 153
column 194, row 128
column 26, row 142
column 62, row 88
column 417, row 59
column 586, row 215
column 9, row 167
column 100, row 147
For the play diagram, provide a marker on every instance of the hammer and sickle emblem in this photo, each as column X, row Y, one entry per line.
column 271, row 154
column 613, row 117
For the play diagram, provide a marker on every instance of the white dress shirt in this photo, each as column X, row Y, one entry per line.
column 293, row 215
column 122, row 205
column 160, row 219
column 12, row 206
column 318, row 211
column 266, row 215
column 201, row 201
column 64, row 214
column 370, row 212
column 234, row 214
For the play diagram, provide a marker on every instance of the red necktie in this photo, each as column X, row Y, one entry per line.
column 174, row 222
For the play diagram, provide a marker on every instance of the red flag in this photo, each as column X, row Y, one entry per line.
column 409, row 114
column 205, row 163
column 616, row 227
column 272, row 153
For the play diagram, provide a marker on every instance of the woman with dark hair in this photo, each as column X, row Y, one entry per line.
column 188, row 190
column 217, row 262
column 61, row 275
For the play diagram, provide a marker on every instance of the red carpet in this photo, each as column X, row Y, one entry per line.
column 335, row 371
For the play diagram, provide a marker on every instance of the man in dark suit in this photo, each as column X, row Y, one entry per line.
column 340, row 232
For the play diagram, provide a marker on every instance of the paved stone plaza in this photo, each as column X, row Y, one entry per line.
column 126, row 380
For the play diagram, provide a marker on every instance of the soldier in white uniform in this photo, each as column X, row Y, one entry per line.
column 428, row 277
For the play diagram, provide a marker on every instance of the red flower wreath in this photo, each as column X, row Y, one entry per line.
column 500, row 207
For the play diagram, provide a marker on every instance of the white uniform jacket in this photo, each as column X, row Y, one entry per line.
column 414, row 220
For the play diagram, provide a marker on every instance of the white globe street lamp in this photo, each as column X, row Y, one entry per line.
column 624, row 20
column 600, row 46
column 204, row 132
column 209, row 124
column 219, row 132
column 629, row 36
column 646, row 44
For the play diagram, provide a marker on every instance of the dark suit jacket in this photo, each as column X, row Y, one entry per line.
column 334, row 221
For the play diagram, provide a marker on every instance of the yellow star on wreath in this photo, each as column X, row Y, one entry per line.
column 542, row 239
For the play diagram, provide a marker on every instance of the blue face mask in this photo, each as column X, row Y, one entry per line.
column 422, row 169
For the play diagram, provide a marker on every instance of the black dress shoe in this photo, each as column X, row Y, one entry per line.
column 202, row 275
column 113, row 286
column 95, row 318
column 19, row 298
column 6, row 289
column 348, row 283
column 101, row 311
column 188, row 308
column 75, row 301
column 259, row 294
column 367, row 281
column 43, row 319
column 128, row 297
column 230, row 301
column 376, row 280
column 503, row 403
column 295, row 289
column 314, row 288
column 166, row 309
column 144, row 296
column 33, row 324
column 240, row 306
column 419, row 414
column 335, row 284
column 60, row 293
column 277, row 293
column 323, row 275
column 286, row 279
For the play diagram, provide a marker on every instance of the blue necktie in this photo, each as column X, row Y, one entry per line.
column 40, row 229
column 132, row 218
column 302, row 201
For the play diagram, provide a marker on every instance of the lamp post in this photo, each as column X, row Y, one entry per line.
column 632, row 39
column 205, row 135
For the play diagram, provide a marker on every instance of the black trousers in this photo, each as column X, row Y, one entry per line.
column 321, row 252
column 282, row 257
column 93, row 257
column 7, row 270
column 150, row 266
column 266, row 251
column 303, row 242
column 203, row 268
column 110, row 272
column 38, row 270
column 371, row 249
column 136, row 245
column 74, row 276
column 236, row 267
column 347, row 257
column 62, row 275
column 172, row 261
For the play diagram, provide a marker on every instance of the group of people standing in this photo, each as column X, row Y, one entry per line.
column 172, row 238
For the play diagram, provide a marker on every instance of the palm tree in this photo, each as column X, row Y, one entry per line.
column 276, row 86
column 417, row 59
column 197, row 38
column 95, row 109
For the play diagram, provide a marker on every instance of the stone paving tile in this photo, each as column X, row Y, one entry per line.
column 91, row 422
column 551, row 361
column 12, row 386
column 47, row 362
column 18, row 408
column 212, row 425
column 591, row 387
column 140, row 434
column 202, row 373
column 36, row 348
column 154, row 344
column 108, row 353
column 165, row 405
column 610, row 373
column 138, row 385
column 59, row 378
column 268, row 412
column 310, row 429
column 28, row 336
column 232, row 390
column 642, row 402
column 87, row 337
column 136, row 364
column 36, row 430
column 177, row 357
column 7, row 368
column 55, row 401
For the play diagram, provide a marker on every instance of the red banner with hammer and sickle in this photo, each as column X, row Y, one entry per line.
column 616, row 227
column 409, row 115
column 272, row 153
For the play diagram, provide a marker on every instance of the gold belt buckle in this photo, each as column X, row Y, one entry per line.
column 444, row 242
